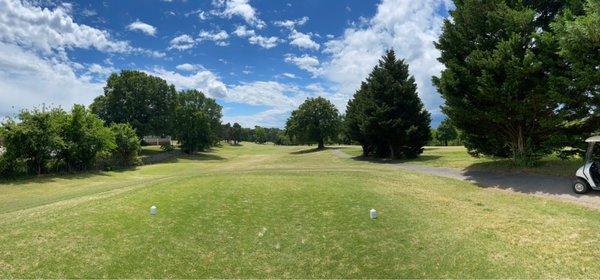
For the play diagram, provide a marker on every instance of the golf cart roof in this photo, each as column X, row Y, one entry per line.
column 593, row 139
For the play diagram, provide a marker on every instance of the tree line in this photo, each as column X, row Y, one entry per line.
column 107, row 135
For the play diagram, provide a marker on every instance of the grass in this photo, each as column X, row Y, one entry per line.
column 260, row 211
column 457, row 157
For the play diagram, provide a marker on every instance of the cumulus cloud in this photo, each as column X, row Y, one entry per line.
column 142, row 27
column 187, row 67
column 265, row 42
column 303, row 40
column 203, row 80
column 220, row 37
column 182, row 42
column 241, row 8
column 289, row 75
column 291, row 24
column 47, row 30
column 305, row 62
column 409, row 27
column 29, row 80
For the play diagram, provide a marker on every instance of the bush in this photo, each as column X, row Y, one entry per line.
column 127, row 145
column 167, row 147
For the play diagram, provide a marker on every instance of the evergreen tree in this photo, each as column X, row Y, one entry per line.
column 386, row 114
column 503, row 83
column 236, row 133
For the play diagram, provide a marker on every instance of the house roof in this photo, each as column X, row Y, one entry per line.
column 593, row 139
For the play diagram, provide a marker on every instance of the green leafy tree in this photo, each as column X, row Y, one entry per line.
column 236, row 133
column 197, row 121
column 386, row 114
column 260, row 135
column 446, row 132
column 85, row 139
column 34, row 140
column 146, row 102
column 127, row 144
column 503, row 83
column 316, row 120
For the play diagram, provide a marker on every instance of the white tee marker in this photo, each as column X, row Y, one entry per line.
column 153, row 210
column 373, row 214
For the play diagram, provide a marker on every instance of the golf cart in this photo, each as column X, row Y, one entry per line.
column 588, row 176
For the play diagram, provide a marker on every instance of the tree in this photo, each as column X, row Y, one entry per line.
column 85, row 139
column 386, row 114
column 35, row 139
column 446, row 132
column 316, row 120
column 197, row 121
column 260, row 135
column 236, row 133
column 127, row 144
column 146, row 102
column 503, row 83
column 579, row 44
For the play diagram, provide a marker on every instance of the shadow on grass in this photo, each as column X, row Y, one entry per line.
column 312, row 150
column 49, row 178
column 416, row 160
column 195, row 157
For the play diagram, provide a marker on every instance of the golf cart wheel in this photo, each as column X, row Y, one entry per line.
column 581, row 186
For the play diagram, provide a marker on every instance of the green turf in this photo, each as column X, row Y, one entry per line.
column 260, row 211
column 457, row 157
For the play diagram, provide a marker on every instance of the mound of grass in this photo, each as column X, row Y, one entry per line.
column 258, row 211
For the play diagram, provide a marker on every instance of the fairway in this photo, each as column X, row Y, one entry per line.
column 263, row 211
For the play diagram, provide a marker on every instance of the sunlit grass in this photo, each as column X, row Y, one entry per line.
column 260, row 211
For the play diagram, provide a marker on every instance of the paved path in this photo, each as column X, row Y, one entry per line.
column 540, row 185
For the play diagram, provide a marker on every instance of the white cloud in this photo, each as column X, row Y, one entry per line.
column 29, row 80
column 182, row 42
column 240, row 8
column 253, row 38
column 203, row 80
column 220, row 37
column 305, row 62
column 143, row 27
column 47, row 30
column 291, row 24
column 303, row 40
column 103, row 71
column 410, row 27
column 186, row 67
column 289, row 75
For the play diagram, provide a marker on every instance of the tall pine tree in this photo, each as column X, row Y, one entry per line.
column 503, row 84
column 386, row 114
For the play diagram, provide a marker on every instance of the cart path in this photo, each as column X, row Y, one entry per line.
column 526, row 183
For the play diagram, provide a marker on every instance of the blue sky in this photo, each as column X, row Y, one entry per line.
column 259, row 59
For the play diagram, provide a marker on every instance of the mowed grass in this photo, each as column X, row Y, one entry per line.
column 457, row 157
column 258, row 211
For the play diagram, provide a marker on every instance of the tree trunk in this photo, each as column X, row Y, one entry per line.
column 365, row 151
column 321, row 144
column 392, row 151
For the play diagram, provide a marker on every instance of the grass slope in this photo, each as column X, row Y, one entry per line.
column 457, row 157
column 257, row 211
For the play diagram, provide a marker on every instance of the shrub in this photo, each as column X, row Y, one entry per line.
column 127, row 145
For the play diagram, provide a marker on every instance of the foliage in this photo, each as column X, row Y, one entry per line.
column 260, row 135
column 127, row 145
column 197, row 121
column 386, row 115
column 167, row 147
column 146, row 102
column 85, row 139
column 34, row 140
column 316, row 120
column 504, row 82
column 236, row 133
column 446, row 132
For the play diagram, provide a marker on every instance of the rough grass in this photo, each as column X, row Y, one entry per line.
column 258, row 211
column 457, row 157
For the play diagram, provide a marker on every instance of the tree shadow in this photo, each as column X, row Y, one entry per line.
column 50, row 178
column 311, row 150
column 417, row 160
column 195, row 157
